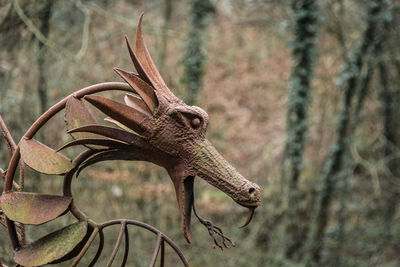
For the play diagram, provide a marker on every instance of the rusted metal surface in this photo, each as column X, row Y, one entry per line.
column 51, row 247
column 43, row 159
column 104, row 143
column 161, row 240
column 11, row 148
column 145, row 91
column 152, row 125
column 135, row 120
column 117, row 134
column 33, row 208
column 76, row 115
column 137, row 103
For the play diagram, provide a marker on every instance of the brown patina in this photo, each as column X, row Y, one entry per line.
column 169, row 133
column 153, row 125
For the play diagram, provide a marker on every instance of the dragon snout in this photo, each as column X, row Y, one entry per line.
column 252, row 195
column 251, row 200
column 213, row 168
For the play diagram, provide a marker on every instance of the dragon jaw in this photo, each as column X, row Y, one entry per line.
column 159, row 128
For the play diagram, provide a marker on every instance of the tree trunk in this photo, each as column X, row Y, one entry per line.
column 305, row 30
column 335, row 161
column 194, row 58
column 390, row 100
column 164, row 33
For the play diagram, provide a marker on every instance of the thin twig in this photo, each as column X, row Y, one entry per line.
column 85, row 31
column 11, row 145
column 39, row 35
column 32, row 27
column 7, row 136
column 130, row 23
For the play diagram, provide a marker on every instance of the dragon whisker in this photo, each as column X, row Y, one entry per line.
column 212, row 230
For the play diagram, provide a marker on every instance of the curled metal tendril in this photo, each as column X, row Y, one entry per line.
column 213, row 230
column 17, row 231
column 160, row 245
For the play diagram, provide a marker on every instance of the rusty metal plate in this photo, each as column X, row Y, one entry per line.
column 145, row 91
column 51, row 247
column 106, row 143
column 126, row 115
column 33, row 208
column 134, row 101
column 117, row 123
column 75, row 252
column 111, row 132
column 44, row 159
column 76, row 115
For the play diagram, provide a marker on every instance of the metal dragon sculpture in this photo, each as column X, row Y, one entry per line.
column 153, row 125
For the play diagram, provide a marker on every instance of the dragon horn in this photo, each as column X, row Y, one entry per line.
column 147, row 63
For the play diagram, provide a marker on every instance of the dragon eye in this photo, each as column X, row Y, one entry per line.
column 195, row 123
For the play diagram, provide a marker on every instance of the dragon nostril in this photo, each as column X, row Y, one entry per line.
column 252, row 190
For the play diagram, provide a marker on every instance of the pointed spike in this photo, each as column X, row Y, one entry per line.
column 145, row 91
column 120, row 125
column 146, row 61
column 249, row 217
column 136, row 63
column 137, row 103
column 122, row 113
column 113, row 133
column 95, row 141
column 110, row 155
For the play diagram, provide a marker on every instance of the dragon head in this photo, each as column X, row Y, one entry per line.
column 160, row 128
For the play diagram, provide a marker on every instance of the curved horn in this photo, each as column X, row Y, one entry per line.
column 147, row 63
column 136, row 63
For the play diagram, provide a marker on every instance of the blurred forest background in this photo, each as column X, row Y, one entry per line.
column 303, row 98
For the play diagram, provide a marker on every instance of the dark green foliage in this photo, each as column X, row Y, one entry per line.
column 305, row 14
column 194, row 58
